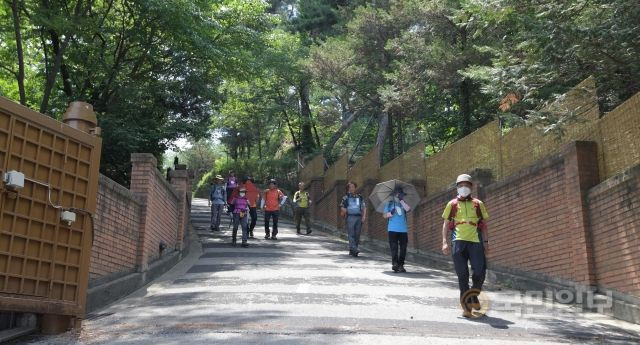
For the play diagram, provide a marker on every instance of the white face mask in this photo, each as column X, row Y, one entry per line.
column 464, row 191
column 242, row 194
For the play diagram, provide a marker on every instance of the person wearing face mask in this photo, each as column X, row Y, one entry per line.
column 240, row 210
column 465, row 236
column 396, row 212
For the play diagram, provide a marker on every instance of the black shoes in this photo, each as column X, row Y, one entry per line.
column 233, row 242
column 398, row 268
column 354, row 253
column 266, row 237
column 273, row 237
column 309, row 232
column 251, row 234
column 245, row 244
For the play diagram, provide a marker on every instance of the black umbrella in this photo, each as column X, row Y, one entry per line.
column 383, row 193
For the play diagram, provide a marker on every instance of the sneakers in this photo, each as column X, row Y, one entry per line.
column 467, row 314
column 250, row 234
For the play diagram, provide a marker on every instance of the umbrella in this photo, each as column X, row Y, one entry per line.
column 383, row 193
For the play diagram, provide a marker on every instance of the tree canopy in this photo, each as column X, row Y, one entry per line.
column 277, row 82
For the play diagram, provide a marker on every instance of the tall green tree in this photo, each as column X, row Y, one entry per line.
column 152, row 69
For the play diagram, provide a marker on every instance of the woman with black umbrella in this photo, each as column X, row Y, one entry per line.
column 396, row 212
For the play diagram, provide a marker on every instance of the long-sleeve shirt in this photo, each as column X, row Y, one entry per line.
column 240, row 204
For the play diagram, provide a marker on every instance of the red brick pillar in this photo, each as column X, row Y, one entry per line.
column 580, row 173
column 180, row 183
column 143, row 167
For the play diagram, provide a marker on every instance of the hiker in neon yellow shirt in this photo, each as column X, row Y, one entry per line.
column 302, row 200
column 465, row 227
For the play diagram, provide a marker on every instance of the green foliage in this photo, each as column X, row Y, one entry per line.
column 548, row 47
column 282, row 80
column 152, row 69
column 261, row 171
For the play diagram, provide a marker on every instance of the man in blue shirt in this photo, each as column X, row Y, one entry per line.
column 353, row 209
column 396, row 212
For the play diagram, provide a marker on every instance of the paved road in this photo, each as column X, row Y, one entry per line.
column 307, row 290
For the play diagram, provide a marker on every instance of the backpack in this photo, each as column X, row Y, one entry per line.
column 454, row 211
column 217, row 193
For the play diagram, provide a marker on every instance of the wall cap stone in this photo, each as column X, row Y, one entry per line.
column 179, row 174
column 615, row 180
column 144, row 158
column 119, row 189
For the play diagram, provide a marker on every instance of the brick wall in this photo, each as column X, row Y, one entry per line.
column 528, row 226
column 551, row 218
column 131, row 224
column 327, row 207
column 117, row 225
column 615, row 231
column 163, row 217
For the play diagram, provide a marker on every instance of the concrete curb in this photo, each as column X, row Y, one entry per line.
column 109, row 292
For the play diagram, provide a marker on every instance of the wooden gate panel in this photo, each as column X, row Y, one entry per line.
column 42, row 258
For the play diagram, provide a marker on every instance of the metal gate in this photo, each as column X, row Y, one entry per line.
column 44, row 262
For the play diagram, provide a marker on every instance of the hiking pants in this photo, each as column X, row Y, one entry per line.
column 354, row 226
column 398, row 241
column 254, row 218
column 464, row 252
column 242, row 222
column 302, row 212
column 267, row 215
column 216, row 211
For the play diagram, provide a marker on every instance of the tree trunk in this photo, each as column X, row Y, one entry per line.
column 464, row 126
column 383, row 127
column 293, row 134
column 20, row 76
column 347, row 119
column 306, row 137
column 51, row 78
column 66, row 78
column 315, row 132
column 392, row 144
column 401, row 147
